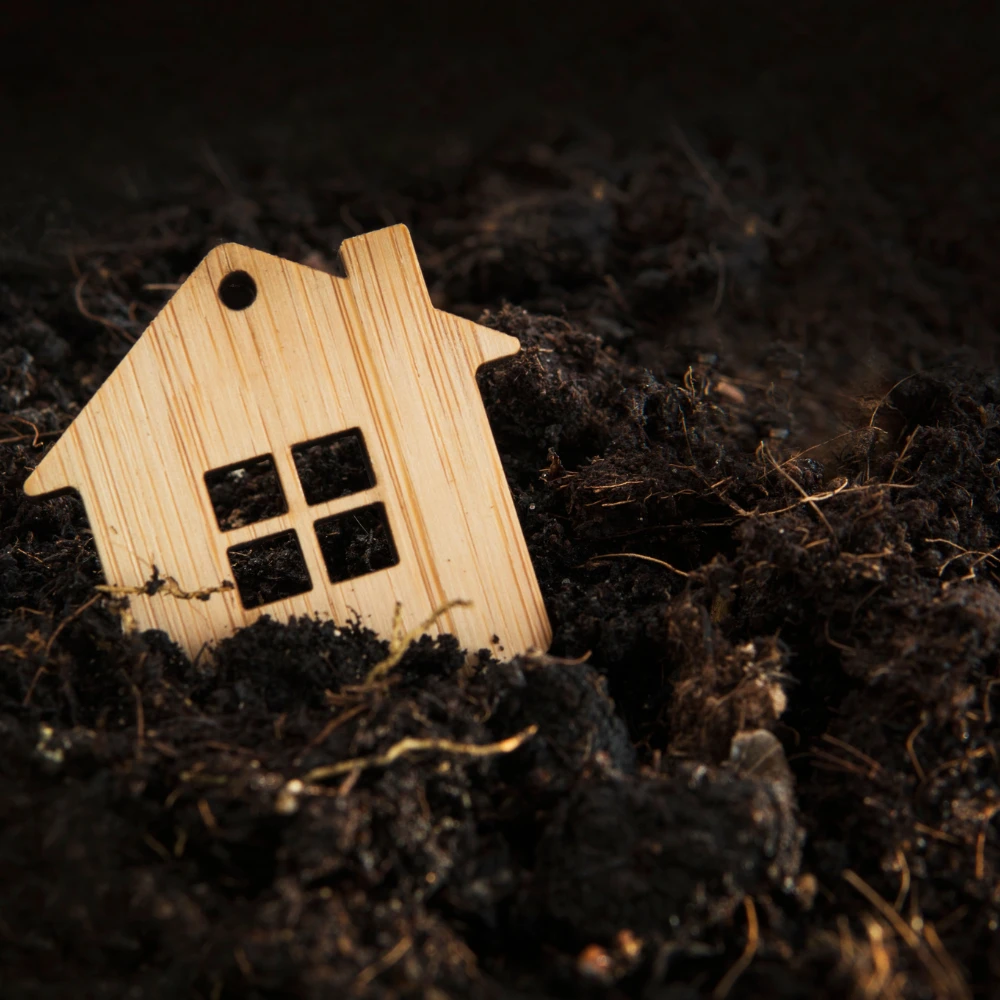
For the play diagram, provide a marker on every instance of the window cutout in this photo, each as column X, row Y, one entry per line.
column 333, row 466
column 246, row 492
column 269, row 569
column 356, row 543
column 237, row 290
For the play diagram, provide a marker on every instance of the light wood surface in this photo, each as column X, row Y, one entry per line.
column 206, row 386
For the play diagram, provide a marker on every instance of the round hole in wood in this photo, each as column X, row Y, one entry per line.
column 237, row 290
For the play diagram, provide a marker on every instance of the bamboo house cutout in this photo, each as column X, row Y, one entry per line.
column 351, row 405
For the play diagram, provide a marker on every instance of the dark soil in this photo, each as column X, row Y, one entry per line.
column 753, row 436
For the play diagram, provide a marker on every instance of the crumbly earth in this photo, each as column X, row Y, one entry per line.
column 753, row 438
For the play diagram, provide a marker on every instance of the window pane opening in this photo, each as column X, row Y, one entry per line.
column 356, row 542
column 269, row 569
column 246, row 492
column 333, row 466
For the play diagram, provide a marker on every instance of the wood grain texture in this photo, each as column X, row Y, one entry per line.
column 206, row 386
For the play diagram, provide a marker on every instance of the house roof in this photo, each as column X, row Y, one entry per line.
column 385, row 257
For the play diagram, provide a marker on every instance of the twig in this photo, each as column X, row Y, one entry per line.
column 902, row 454
column 942, row 835
column 400, row 641
column 839, row 763
column 413, row 744
column 806, row 498
column 805, row 451
column 921, row 773
column 75, row 614
column 881, row 962
column 387, row 961
column 814, row 498
column 961, row 554
column 78, row 297
column 981, row 853
column 34, row 681
column 871, row 426
column 904, row 880
column 987, row 708
column 954, row 762
column 948, row 979
column 167, row 585
column 207, row 817
column 243, row 962
column 901, row 927
column 335, row 723
column 34, row 427
column 616, row 486
column 637, row 555
column 854, row 751
column 35, row 438
column 544, row 660
column 742, row 963
column 981, row 841
column 953, row 975
column 157, row 847
column 878, row 405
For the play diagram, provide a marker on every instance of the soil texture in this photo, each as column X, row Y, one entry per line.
column 753, row 437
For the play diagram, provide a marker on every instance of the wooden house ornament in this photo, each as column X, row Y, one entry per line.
column 350, row 405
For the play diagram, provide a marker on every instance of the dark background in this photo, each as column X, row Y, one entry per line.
column 101, row 104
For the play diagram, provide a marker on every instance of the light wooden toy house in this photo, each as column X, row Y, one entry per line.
column 356, row 400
